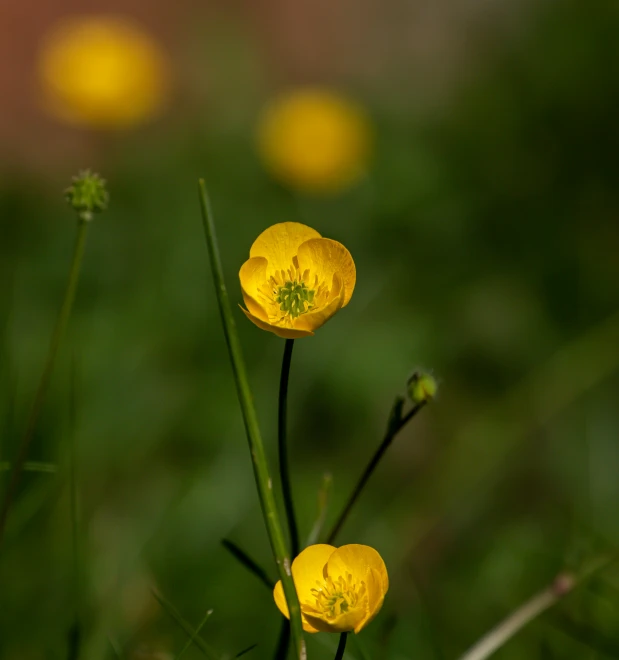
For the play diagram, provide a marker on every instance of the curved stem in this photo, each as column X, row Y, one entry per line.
column 282, row 448
column 341, row 647
column 393, row 428
column 262, row 474
column 37, row 406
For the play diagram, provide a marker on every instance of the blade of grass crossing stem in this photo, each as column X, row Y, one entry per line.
column 247, row 650
column 323, row 503
column 262, row 475
column 361, row 648
column 240, row 554
column 192, row 639
column 114, row 646
column 175, row 615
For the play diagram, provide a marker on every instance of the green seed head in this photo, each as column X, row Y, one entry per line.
column 87, row 195
column 295, row 298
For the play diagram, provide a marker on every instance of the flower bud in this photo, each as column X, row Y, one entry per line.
column 87, row 195
column 422, row 387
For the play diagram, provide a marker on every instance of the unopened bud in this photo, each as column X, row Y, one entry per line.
column 422, row 387
column 87, row 195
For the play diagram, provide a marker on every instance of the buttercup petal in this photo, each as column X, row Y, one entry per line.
column 253, row 276
column 308, row 567
column 346, row 622
column 279, row 244
column 358, row 560
column 280, row 601
column 286, row 333
column 376, row 595
column 366, row 565
column 311, row 321
column 325, row 258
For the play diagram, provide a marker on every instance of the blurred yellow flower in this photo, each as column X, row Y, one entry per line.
column 294, row 280
column 315, row 140
column 102, row 71
column 339, row 589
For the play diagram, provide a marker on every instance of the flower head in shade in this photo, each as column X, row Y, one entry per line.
column 102, row 72
column 315, row 140
column 294, row 280
column 340, row 589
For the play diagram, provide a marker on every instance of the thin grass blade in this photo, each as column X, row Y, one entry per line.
column 192, row 639
column 264, row 482
column 176, row 616
column 240, row 554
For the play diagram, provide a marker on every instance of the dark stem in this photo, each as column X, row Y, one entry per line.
column 393, row 428
column 37, row 406
column 74, row 638
column 341, row 647
column 248, row 562
column 284, row 471
column 281, row 652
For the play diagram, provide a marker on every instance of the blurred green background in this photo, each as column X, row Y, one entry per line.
column 486, row 239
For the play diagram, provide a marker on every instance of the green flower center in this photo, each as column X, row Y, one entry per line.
column 295, row 298
column 335, row 597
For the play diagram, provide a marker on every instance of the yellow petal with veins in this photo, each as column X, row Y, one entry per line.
column 279, row 244
column 376, row 595
column 358, row 560
column 326, row 258
column 366, row 565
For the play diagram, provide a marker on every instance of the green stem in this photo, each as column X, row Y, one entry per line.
column 282, row 446
column 393, row 428
column 59, row 332
column 262, row 476
column 76, row 628
column 341, row 647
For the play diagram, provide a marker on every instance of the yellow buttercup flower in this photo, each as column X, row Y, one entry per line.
column 294, row 280
column 339, row 589
column 315, row 140
column 103, row 72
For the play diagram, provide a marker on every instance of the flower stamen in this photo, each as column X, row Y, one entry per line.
column 294, row 298
column 335, row 597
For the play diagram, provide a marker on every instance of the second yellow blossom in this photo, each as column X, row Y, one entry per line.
column 315, row 140
column 295, row 280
